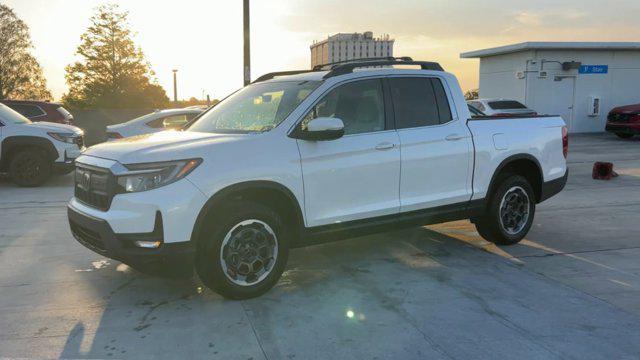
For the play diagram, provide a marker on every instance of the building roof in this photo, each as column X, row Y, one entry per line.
column 367, row 35
column 550, row 45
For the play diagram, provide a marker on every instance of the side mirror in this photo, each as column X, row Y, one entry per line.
column 322, row 128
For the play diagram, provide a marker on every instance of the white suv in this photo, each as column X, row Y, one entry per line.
column 299, row 157
column 31, row 151
column 159, row 120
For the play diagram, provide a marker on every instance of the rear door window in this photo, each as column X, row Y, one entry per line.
column 444, row 110
column 414, row 102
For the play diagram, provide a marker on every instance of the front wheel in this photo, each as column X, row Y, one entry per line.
column 29, row 167
column 510, row 212
column 243, row 252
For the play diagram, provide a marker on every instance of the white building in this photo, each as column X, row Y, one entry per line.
column 341, row 47
column 581, row 81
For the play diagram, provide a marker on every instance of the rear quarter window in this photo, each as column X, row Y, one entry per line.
column 29, row 111
column 506, row 104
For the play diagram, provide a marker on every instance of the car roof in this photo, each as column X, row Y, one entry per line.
column 30, row 102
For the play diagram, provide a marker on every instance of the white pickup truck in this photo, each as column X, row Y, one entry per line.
column 305, row 156
column 31, row 151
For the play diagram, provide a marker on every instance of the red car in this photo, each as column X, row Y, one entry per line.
column 41, row 111
column 624, row 121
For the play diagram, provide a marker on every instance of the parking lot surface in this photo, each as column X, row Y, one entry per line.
column 570, row 290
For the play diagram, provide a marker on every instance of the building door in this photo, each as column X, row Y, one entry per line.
column 562, row 99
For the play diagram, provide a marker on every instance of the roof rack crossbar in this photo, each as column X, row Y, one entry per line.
column 349, row 67
column 271, row 75
column 335, row 64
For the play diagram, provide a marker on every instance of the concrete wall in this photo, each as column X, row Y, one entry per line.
column 562, row 92
column 498, row 76
column 94, row 122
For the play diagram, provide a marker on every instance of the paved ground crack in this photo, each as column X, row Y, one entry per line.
column 255, row 333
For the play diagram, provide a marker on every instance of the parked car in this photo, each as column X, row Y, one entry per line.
column 31, row 151
column 300, row 157
column 501, row 107
column 624, row 121
column 41, row 111
column 156, row 121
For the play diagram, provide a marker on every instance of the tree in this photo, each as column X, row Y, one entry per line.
column 20, row 74
column 112, row 71
column 471, row 94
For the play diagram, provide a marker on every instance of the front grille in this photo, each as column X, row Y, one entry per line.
column 88, row 237
column 79, row 141
column 618, row 117
column 94, row 186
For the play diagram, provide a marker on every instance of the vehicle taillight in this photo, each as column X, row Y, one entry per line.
column 634, row 118
column 565, row 141
column 114, row 135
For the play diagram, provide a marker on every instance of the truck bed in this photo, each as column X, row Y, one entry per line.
column 497, row 140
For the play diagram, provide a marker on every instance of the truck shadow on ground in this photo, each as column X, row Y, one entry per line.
column 338, row 296
column 137, row 305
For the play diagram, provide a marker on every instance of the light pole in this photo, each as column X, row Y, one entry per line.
column 175, row 86
column 247, row 43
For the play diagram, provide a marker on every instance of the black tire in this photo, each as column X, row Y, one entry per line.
column 492, row 228
column 624, row 135
column 29, row 167
column 228, row 221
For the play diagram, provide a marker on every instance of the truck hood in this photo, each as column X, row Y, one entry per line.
column 55, row 127
column 160, row 146
column 627, row 109
column 115, row 126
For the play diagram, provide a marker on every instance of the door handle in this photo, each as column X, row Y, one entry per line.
column 453, row 137
column 385, row 146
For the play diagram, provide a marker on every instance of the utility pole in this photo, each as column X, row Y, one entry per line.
column 247, row 43
column 175, row 86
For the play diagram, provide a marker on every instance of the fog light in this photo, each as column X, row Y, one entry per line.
column 148, row 244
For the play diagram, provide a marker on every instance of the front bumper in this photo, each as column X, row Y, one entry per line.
column 623, row 128
column 97, row 235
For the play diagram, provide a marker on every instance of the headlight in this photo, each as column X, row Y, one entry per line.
column 64, row 137
column 153, row 175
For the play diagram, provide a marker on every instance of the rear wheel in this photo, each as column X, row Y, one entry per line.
column 510, row 212
column 624, row 135
column 243, row 251
column 29, row 167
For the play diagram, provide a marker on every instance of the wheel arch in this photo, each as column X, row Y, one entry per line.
column 269, row 193
column 14, row 143
column 525, row 165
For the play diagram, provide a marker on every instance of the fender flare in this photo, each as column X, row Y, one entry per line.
column 510, row 160
column 11, row 142
column 239, row 188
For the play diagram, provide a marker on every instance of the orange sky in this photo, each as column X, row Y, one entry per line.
column 203, row 39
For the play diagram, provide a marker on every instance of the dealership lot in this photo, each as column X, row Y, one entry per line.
column 571, row 289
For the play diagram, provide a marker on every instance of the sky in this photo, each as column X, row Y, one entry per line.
column 203, row 39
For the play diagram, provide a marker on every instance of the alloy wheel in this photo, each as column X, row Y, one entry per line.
column 249, row 252
column 514, row 210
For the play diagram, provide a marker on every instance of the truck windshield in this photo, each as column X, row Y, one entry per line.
column 10, row 116
column 255, row 108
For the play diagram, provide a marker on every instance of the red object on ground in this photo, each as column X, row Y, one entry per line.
column 603, row 171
